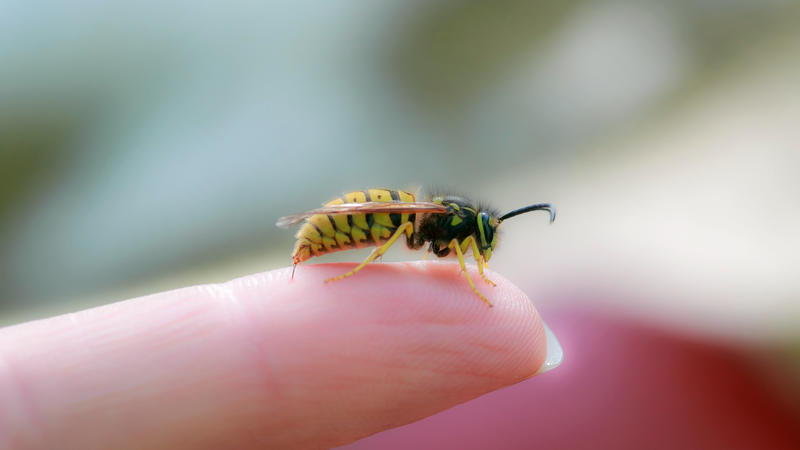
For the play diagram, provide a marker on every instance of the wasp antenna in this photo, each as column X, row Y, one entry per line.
column 539, row 206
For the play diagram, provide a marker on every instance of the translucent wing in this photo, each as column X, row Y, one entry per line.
column 365, row 208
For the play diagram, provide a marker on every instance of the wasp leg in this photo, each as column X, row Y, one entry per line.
column 377, row 252
column 478, row 257
column 428, row 252
column 457, row 247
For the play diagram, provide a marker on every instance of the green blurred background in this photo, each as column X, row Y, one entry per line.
column 149, row 146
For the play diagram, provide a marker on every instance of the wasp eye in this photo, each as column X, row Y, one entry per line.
column 486, row 230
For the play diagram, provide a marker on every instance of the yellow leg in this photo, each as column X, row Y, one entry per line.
column 377, row 252
column 470, row 241
column 457, row 247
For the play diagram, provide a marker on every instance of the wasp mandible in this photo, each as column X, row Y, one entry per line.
column 379, row 217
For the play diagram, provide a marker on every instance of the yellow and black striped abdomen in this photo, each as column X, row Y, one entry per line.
column 321, row 234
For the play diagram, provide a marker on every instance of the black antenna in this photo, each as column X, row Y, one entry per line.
column 543, row 206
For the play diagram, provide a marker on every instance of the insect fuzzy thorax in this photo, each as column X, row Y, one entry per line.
column 462, row 220
column 379, row 217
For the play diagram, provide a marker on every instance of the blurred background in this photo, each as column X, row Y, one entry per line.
column 152, row 145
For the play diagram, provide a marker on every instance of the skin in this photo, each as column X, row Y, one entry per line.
column 265, row 362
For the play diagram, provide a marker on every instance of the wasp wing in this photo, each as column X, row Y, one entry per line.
column 365, row 208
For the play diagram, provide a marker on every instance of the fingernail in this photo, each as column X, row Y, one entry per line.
column 555, row 354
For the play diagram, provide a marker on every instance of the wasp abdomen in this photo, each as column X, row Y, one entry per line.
column 321, row 234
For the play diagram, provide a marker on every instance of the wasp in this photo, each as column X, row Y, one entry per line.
column 379, row 217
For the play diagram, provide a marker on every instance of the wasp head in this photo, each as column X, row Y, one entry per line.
column 487, row 234
column 488, row 224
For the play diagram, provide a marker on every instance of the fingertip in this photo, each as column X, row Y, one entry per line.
column 267, row 358
column 399, row 341
column 506, row 341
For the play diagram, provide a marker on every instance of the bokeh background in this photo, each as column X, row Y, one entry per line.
column 152, row 145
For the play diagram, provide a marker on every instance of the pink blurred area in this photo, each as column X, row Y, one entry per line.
column 622, row 385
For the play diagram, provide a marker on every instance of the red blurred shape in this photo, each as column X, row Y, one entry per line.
column 621, row 386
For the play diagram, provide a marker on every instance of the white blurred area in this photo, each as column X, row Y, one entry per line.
column 666, row 134
column 692, row 219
